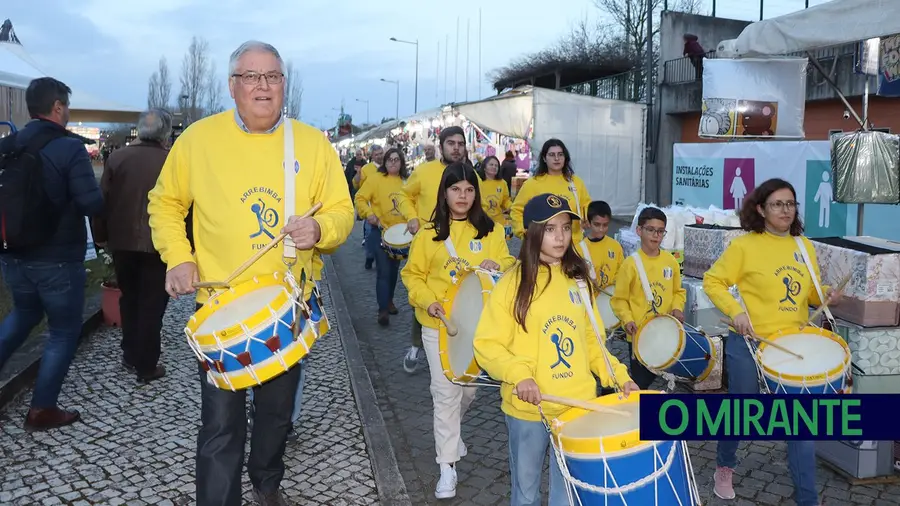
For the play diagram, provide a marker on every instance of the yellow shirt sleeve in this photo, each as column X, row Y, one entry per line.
column 494, row 337
column 336, row 217
column 505, row 201
column 363, row 200
column 518, row 207
column 499, row 251
column 596, row 353
column 724, row 274
column 679, row 294
column 168, row 206
column 415, row 273
column 407, row 198
column 620, row 300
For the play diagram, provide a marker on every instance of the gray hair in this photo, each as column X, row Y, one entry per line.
column 154, row 125
column 249, row 46
column 374, row 148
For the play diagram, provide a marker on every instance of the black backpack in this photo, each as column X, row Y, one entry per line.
column 27, row 216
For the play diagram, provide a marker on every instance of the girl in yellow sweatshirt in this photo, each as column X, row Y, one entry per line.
column 535, row 336
column 554, row 175
column 377, row 202
column 495, row 192
column 770, row 266
column 460, row 236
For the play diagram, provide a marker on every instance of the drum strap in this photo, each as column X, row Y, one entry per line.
column 574, row 191
column 645, row 283
column 812, row 274
column 291, row 168
column 599, row 332
column 587, row 256
column 451, row 250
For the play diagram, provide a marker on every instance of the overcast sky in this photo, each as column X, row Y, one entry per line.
column 109, row 48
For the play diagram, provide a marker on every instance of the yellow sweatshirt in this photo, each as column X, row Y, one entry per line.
column 551, row 184
column 772, row 278
column 421, row 191
column 605, row 256
column 380, row 195
column 559, row 351
column 430, row 271
column 495, row 199
column 630, row 304
column 369, row 169
column 235, row 181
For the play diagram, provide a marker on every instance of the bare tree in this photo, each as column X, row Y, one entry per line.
column 213, row 91
column 194, row 72
column 165, row 84
column 293, row 91
column 153, row 91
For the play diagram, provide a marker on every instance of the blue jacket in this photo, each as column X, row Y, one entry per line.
column 72, row 187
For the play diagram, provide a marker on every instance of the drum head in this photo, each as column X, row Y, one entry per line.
column 238, row 310
column 605, row 309
column 596, row 425
column 397, row 235
column 821, row 355
column 465, row 313
column 657, row 341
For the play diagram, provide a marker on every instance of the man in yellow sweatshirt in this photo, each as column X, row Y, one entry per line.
column 230, row 168
column 376, row 159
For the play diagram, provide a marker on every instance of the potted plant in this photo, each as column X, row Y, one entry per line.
column 110, row 293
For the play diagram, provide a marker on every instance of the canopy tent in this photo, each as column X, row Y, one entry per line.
column 829, row 24
column 604, row 137
column 18, row 68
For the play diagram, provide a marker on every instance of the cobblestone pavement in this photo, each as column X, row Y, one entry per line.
column 405, row 400
column 136, row 444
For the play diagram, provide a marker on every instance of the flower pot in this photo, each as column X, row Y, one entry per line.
column 109, row 304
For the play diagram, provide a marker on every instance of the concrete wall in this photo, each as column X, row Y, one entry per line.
column 673, row 100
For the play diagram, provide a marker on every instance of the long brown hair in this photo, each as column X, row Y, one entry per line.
column 752, row 221
column 573, row 266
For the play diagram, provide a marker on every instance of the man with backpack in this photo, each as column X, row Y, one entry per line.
column 47, row 187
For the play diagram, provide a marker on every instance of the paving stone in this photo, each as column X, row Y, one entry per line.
column 136, row 442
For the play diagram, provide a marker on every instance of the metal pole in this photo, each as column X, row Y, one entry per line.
column 367, row 113
column 714, row 9
column 468, row 38
column 761, row 9
column 865, row 105
column 456, row 66
column 446, row 63
column 437, row 72
column 648, row 79
column 480, row 78
column 416, row 101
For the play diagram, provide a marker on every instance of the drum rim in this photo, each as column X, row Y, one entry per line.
column 601, row 292
column 260, row 317
column 681, row 341
column 618, row 444
column 394, row 244
column 801, row 380
column 473, row 371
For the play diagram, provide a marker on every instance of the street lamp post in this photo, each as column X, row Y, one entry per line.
column 367, row 109
column 397, row 84
column 416, row 43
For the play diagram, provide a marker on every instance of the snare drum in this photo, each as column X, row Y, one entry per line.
column 244, row 336
column 395, row 240
column 465, row 301
column 603, row 457
column 824, row 369
column 604, row 307
column 664, row 344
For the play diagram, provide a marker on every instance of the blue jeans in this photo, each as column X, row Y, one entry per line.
column 56, row 289
column 367, row 233
column 386, row 270
column 743, row 379
column 528, row 444
column 298, row 397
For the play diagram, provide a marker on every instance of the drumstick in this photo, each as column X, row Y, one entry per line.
column 451, row 328
column 821, row 309
column 576, row 403
column 770, row 342
column 252, row 260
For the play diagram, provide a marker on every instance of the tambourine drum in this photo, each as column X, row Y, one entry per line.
column 244, row 336
column 824, row 369
column 664, row 344
column 465, row 301
column 395, row 240
column 604, row 462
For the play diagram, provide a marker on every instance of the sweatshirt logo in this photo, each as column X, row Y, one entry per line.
column 395, row 206
column 611, row 254
column 475, row 246
column 456, row 267
column 574, row 296
column 667, row 272
column 791, row 290
column 557, row 329
column 798, row 256
column 564, row 348
column 790, row 277
column 261, row 203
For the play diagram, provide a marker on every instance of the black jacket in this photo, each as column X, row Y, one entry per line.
column 71, row 186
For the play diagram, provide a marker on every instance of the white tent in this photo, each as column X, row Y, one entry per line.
column 829, row 24
column 605, row 137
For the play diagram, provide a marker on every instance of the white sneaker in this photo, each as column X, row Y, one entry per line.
column 411, row 360
column 463, row 451
column 446, row 485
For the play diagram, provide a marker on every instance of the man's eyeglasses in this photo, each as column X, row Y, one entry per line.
column 253, row 78
column 659, row 232
column 778, row 205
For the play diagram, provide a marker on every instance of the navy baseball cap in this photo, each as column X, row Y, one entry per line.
column 543, row 208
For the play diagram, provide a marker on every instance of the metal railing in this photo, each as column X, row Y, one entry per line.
column 622, row 86
column 682, row 70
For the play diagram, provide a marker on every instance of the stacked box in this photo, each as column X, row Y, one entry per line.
column 704, row 244
column 872, row 298
column 875, row 350
column 699, row 311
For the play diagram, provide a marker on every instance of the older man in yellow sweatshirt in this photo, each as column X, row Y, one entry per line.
column 230, row 167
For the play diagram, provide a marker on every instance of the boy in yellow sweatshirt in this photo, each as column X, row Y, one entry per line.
column 648, row 284
column 603, row 253
column 541, row 341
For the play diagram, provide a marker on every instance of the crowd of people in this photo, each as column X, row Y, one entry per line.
column 224, row 179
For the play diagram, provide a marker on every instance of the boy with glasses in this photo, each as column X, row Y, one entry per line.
column 648, row 284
